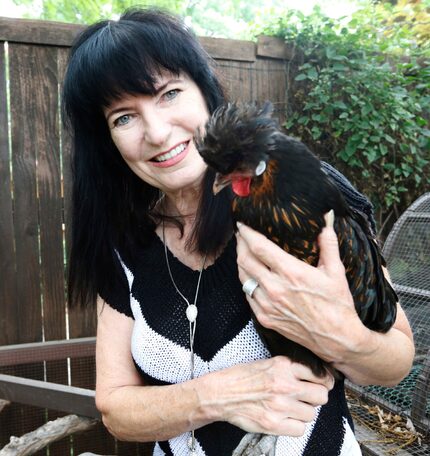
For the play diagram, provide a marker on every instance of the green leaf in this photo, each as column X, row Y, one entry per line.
column 339, row 67
column 316, row 133
column 330, row 52
column 301, row 77
column 339, row 104
column 383, row 149
column 365, row 110
column 312, row 74
column 389, row 139
column 371, row 155
column 304, row 120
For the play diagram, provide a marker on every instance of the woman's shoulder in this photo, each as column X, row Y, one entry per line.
column 115, row 289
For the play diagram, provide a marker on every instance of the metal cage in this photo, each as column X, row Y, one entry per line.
column 407, row 251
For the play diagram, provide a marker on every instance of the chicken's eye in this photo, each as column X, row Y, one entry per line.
column 261, row 167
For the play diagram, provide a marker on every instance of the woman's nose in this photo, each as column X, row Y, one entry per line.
column 156, row 129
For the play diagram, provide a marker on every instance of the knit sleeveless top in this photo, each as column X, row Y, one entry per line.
column 225, row 336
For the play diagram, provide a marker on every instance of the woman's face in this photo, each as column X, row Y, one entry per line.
column 154, row 133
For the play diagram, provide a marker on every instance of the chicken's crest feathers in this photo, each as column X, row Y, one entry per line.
column 238, row 136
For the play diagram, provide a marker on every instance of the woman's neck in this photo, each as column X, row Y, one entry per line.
column 182, row 204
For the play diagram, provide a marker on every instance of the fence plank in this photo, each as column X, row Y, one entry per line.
column 50, row 221
column 49, row 195
column 23, row 61
column 8, row 298
column 28, row 327
column 8, row 291
column 270, row 84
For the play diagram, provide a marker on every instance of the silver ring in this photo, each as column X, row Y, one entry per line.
column 250, row 286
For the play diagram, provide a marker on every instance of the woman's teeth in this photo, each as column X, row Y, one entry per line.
column 172, row 153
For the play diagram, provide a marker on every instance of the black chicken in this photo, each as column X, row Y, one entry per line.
column 282, row 191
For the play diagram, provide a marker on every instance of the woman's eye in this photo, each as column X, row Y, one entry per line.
column 122, row 120
column 171, row 94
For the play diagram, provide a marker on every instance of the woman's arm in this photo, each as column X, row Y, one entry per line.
column 314, row 307
column 270, row 396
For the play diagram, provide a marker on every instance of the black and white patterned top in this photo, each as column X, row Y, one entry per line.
column 225, row 336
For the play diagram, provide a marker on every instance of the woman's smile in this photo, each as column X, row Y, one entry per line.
column 172, row 156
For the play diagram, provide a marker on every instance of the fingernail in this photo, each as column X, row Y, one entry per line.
column 329, row 218
column 239, row 225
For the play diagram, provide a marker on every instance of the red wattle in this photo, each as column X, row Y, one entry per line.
column 241, row 186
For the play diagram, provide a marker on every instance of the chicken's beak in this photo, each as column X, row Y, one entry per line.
column 220, row 182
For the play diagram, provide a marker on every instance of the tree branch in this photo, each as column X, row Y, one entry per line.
column 48, row 433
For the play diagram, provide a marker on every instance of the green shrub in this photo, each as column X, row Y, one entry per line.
column 360, row 97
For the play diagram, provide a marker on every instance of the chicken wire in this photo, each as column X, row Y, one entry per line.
column 407, row 251
column 17, row 420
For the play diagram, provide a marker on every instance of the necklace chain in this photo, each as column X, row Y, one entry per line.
column 191, row 313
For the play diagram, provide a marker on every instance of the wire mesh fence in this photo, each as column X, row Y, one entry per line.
column 407, row 251
column 18, row 419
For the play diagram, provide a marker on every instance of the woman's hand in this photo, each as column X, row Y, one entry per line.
column 311, row 305
column 271, row 396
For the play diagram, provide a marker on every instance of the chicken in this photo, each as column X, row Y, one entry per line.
column 281, row 190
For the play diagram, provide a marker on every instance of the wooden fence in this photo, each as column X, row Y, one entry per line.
column 34, row 203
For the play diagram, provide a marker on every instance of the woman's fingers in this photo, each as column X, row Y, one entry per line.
column 273, row 396
column 328, row 244
column 304, row 373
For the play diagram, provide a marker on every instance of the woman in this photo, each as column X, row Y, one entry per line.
column 155, row 248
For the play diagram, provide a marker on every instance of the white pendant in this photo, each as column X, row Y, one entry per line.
column 190, row 443
column 191, row 313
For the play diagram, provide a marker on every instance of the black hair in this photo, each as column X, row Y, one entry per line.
column 112, row 208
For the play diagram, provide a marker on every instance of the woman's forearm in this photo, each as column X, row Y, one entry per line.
column 148, row 413
column 271, row 396
column 378, row 359
column 367, row 357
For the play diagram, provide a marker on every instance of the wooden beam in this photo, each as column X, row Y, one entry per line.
column 63, row 398
column 12, row 355
column 38, row 32
column 221, row 48
column 52, row 33
column 273, row 47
